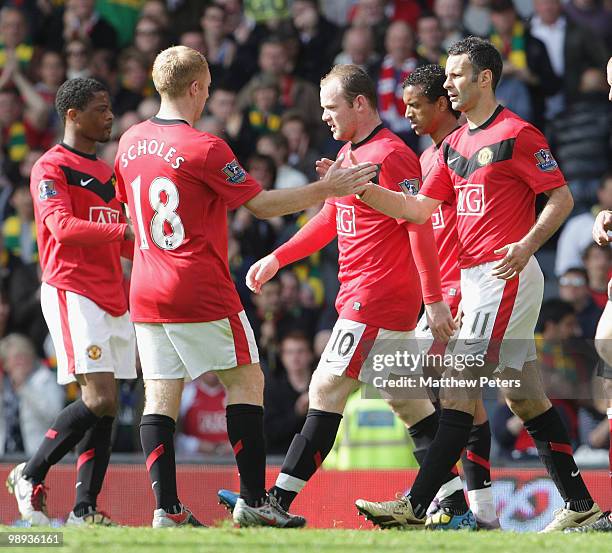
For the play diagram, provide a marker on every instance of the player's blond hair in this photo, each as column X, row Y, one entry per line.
column 176, row 68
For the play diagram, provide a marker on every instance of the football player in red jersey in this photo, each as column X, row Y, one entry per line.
column 81, row 236
column 492, row 168
column 603, row 338
column 430, row 112
column 179, row 183
column 382, row 261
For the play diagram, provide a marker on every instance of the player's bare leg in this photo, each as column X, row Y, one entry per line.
column 477, row 471
column 244, row 385
column 162, row 402
column 542, row 421
column 26, row 481
column 327, row 394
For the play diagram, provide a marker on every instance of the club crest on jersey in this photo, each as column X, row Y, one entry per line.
column 546, row 162
column 345, row 220
column 234, row 172
column 410, row 186
column 46, row 189
column 485, row 156
column 94, row 352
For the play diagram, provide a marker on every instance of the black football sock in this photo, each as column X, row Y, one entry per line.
column 555, row 451
column 423, row 434
column 157, row 438
column 306, row 453
column 475, row 458
column 442, row 455
column 94, row 454
column 66, row 431
column 245, row 432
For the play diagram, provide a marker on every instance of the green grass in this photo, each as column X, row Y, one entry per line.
column 226, row 539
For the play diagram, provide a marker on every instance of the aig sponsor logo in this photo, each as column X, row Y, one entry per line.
column 345, row 219
column 98, row 214
column 471, row 200
column 437, row 218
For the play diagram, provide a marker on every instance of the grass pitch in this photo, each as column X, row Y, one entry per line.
column 226, row 539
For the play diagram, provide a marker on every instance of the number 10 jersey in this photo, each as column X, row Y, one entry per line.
column 179, row 183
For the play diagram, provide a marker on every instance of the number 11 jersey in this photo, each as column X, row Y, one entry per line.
column 179, row 183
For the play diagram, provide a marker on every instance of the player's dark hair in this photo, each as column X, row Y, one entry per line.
column 76, row 94
column 355, row 82
column 430, row 79
column 553, row 311
column 482, row 55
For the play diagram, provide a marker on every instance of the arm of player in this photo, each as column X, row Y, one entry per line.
column 559, row 206
column 425, row 254
column 313, row 236
column 272, row 203
column 416, row 209
column 69, row 230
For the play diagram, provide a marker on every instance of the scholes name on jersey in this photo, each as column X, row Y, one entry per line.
column 152, row 148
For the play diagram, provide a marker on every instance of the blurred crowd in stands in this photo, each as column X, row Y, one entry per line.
column 266, row 59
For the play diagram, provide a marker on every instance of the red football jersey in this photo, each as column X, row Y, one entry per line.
column 444, row 222
column 492, row 174
column 179, row 183
column 379, row 282
column 83, row 186
column 203, row 412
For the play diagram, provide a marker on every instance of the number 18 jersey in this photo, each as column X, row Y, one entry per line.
column 179, row 183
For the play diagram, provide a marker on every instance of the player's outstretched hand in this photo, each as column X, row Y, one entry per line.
column 440, row 321
column 344, row 181
column 603, row 223
column 322, row 166
column 261, row 272
column 516, row 256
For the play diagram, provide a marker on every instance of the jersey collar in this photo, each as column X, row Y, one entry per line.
column 488, row 122
column 159, row 121
column 82, row 154
column 355, row 145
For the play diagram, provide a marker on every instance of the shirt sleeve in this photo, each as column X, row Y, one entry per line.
column 224, row 175
column 49, row 190
column 533, row 163
column 439, row 185
column 120, row 191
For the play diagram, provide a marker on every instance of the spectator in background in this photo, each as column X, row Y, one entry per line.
column 26, row 418
column 277, row 147
column 194, row 38
column 450, row 14
column 598, row 264
column 525, row 60
column 581, row 138
column 13, row 38
column 286, row 393
column 400, row 60
column 576, row 234
column 78, row 19
column 134, row 72
column 104, row 67
column 477, row 17
column 202, row 424
column 429, row 34
column 295, row 91
column 149, row 39
column 52, row 73
column 264, row 318
column 220, row 49
column 594, row 15
column 158, row 10
column 318, row 40
column 301, row 156
column 357, row 48
column 574, row 289
column 371, row 14
column 571, row 50
column 299, row 313
column 19, row 230
column 78, row 56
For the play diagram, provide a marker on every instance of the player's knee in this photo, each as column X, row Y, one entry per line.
column 327, row 393
column 527, row 409
column 102, row 405
column 411, row 411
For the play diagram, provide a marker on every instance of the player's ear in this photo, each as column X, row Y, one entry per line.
column 72, row 114
column 486, row 78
